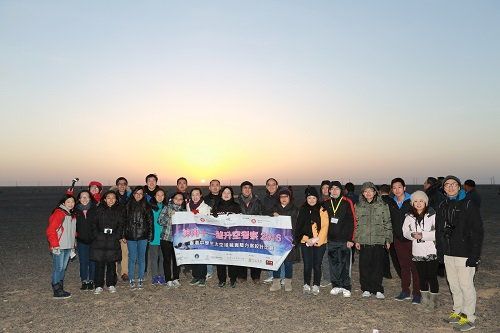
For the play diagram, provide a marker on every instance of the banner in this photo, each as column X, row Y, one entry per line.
column 234, row 239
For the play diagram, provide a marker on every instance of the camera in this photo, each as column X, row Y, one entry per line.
column 448, row 229
column 108, row 231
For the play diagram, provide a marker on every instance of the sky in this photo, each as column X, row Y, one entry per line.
column 296, row 90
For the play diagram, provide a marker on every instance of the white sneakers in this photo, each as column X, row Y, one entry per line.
column 176, row 283
column 315, row 290
column 366, row 294
column 268, row 280
column 379, row 295
column 337, row 290
column 98, row 290
column 306, row 289
column 112, row 289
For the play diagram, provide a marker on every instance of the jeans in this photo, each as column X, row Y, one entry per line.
column 59, row 264
column 137, row 252
column 155, row 260
column 87, row 267
column 288, row 266
column 313, row 259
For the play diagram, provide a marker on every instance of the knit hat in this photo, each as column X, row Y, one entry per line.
column 245, row 183
column 367, row 185
column 96, row 183
column 285, row 191
column 419, row 195
column 311, row 191
column 453, row 178
column 336, row 183
column 324, row 182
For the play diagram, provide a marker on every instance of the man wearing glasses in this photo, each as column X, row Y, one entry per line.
column 459, row 238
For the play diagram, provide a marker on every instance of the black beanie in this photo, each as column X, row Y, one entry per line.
column 311, row 191
column 336, row 183
column 324, row 182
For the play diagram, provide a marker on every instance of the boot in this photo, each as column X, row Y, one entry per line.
column 433, row 301
column 425, row 299
column 65, row 293
column 276, row 285
column 288, row 284
column 59, row 292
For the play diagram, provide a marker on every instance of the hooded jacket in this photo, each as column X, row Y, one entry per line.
column 374, row 221
column 459, row 228
column 61, row 230
column 424, row 250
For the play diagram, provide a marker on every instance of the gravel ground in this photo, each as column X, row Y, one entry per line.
column 27, row 305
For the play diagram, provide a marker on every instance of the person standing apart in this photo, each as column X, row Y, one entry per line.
column 61, row 233
column 459, row 239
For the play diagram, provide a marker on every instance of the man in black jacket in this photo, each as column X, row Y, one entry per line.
column 459, row 239
column 341, row 231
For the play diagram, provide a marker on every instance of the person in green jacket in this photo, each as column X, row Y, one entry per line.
column 373, row 236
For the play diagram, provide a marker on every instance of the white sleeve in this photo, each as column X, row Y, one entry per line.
column 407, row 227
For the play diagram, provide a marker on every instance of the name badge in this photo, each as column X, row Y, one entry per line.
column 334, row 220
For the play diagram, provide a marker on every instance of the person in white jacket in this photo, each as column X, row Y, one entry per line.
column 419, row 227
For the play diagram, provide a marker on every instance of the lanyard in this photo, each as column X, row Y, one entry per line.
column 335, row 208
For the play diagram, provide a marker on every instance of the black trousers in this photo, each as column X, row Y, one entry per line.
column 339, row 259
column 100, row 269
column 371, row 268
column 199, row 272
column 223, row 271
column 427, row 275
column 170, row 268
column 313, row 258
column 243, row 272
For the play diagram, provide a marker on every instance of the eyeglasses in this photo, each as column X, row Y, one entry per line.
column 448, row 185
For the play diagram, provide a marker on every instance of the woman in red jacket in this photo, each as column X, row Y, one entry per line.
column 61, row 232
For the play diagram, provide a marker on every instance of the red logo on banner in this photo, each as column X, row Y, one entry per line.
column 202, row 219
column 253, row 221
column 269, row 262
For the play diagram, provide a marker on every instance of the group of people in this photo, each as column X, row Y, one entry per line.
column 133, row 227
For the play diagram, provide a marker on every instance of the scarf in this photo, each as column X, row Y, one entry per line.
column 97, row 197
column 246, row 200
column 83, row 207
column 193, row 207
column 308, row 215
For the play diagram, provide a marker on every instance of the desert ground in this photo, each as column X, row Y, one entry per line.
column 27, row 306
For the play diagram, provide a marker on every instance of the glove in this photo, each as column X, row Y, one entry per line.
column 56, row 251
column 472, row 262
